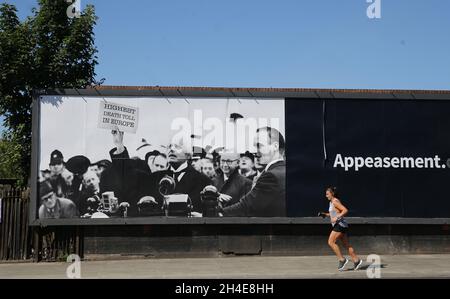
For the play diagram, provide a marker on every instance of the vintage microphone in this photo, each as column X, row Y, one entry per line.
column 174, row 204
column 167, row 185
column 210, row 201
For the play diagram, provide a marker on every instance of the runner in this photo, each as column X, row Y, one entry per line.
column 336, row 212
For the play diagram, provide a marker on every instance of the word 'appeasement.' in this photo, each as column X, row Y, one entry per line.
column 387, row 162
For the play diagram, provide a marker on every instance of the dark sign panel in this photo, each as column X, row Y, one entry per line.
column 388, row 158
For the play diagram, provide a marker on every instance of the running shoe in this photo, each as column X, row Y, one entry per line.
column 358, row 264
column 342, row 264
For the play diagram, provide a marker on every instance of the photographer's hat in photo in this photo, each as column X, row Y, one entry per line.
column 198, row 152
column 45, row 188
column 56, row 157
column 78, row 164
column 151, row 153
column 248, row 155
column 103, row 163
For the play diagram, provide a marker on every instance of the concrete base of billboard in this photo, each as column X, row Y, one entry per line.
column 267, row 240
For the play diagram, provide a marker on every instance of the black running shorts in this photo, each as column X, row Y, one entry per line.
column 340, row 229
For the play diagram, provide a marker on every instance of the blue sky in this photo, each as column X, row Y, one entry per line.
column 261, row 43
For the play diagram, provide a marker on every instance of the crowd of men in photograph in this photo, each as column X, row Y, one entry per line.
column 246, row 184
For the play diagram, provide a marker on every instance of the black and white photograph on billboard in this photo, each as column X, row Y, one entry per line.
column 106, row 157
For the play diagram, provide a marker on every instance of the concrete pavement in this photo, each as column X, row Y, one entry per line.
column 232, row 267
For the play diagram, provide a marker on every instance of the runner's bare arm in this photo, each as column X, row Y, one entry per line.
column 342, row 210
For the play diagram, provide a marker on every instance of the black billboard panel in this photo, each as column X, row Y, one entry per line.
column 388, row 158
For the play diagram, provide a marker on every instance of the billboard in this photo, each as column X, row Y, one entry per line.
column 153, row 157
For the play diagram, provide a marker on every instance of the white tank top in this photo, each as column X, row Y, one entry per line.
column 333, row 214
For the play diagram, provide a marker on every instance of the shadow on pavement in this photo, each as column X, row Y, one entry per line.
column 365, row 266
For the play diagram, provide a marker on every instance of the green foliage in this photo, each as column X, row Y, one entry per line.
column 47, row 50
column 10, row 150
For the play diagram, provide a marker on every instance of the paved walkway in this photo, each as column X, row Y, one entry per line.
column 398, row 266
